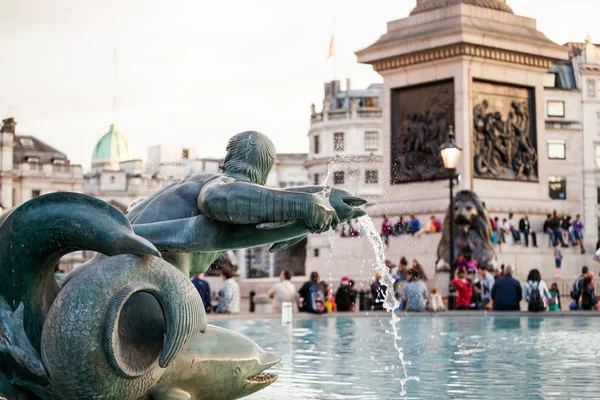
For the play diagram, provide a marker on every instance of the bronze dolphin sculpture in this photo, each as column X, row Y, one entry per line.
column 112, row 329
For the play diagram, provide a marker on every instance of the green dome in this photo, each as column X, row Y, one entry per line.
column 113, row 146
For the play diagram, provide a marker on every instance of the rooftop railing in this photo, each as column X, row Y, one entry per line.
column 347, row 114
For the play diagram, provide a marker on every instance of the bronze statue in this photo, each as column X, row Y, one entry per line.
column 504, row 146
column 192, row 222
column 473, row 231
column 128, row 324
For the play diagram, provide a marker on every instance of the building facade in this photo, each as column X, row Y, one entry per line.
column 525, row 111
column 115, row 177
column 30, row 168
column 174, row 162
column 346, row 140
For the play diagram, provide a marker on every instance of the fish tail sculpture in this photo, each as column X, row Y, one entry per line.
column 112, row 329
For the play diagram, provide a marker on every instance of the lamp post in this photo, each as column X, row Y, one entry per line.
column 450, row 153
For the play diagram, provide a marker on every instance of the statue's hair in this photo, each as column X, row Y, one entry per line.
column 482, row 224
column 251, row 154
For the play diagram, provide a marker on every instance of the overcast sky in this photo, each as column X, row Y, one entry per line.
column 196, row 72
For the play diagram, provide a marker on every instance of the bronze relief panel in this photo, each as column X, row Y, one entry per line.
column 504, row 134
column 421, row 116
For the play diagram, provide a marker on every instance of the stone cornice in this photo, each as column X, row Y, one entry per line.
column 362, row 159
column 590, row 67
column 462, row 49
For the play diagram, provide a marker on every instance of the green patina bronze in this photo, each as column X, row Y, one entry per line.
column 128, row 324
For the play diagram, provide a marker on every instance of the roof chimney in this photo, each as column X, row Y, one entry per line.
column 8, row 126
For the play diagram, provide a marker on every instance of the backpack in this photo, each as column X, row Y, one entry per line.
column 576, row 290
column 317, row 298
column 587, row 298
column 536, row 303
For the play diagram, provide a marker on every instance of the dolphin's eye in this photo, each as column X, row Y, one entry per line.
column 236, row 371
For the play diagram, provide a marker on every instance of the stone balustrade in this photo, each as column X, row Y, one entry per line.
column 353, row 113
column 48, row 170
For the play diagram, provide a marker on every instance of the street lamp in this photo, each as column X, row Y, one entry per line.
column 450, row 153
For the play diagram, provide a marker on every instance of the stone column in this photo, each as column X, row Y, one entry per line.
column 7, row 138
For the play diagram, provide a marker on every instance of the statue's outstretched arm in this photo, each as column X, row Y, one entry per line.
column 238, row 202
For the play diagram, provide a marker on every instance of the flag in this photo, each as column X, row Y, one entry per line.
column 331, row 48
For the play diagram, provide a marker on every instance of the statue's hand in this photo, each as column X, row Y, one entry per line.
column 320, row 215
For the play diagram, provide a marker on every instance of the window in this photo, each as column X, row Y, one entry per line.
column 338, row 141
column 556, row 108
column 316, row 144
column 60, row 168
column 112, row 179
column 35, row 193
column 371, row 141
column 598, row 155
column 550, row 80
column 316, row 179
column 556, row 149
column 371, row 102
column 185, row 154
column 338, row 177
column 59, row 161
column 598, row 195
column 558, row 187
column 372, row 176
column 316, row 252
column 26, row 142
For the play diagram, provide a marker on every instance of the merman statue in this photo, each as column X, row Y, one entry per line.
column 192, row 222
column 128, row 325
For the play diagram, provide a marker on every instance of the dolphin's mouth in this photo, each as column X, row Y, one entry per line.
column 264, row 378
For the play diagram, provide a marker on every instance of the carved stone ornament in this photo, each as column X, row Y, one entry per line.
column 504, row 132
column 428, row 5
column 421, row 117
column 591, row 88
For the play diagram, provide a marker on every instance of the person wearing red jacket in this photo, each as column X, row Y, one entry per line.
column 464, row 289
column 386, row 230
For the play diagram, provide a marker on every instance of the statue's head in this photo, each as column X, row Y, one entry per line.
column 469, row 210
column 250, row 154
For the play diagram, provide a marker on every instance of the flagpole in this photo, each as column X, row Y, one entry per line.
column 115, row 85
column 334, row 52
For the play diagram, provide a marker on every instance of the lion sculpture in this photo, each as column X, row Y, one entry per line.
column 472, row 231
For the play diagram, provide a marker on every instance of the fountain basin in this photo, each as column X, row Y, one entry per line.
column 455, row 355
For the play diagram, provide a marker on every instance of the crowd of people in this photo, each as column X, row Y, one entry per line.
column 562, row 230
column 228, row 301
column 502, row 292
column 316, row 296
column 408, row 225
column 477, row 289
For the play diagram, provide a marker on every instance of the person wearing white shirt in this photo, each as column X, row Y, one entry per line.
column 283, row 291
column 512, row 228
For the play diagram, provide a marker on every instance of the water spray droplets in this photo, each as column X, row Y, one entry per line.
column 390, row 303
